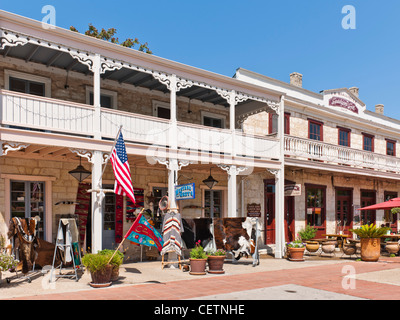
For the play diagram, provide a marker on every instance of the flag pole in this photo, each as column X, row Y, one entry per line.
column 120, row 244
column 115, row 142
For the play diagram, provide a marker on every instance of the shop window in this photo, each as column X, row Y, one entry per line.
column 315, row 210
column 213, row 203
column 368, row 198
column 368, row 142
column 27, row 201
column 390, row 147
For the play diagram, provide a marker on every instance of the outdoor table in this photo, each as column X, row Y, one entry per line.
column 391, row 236
column 341, row 236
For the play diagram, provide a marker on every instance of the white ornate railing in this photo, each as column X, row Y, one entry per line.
column 52, row 115
column 307, row 149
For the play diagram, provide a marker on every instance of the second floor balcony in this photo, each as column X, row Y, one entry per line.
column 312, row 153
column 28, row 113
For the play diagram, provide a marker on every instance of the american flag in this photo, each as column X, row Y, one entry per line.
column 119, row 159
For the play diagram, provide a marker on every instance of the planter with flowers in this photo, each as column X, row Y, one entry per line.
column 7, row 263
column 295, row 250
column 198, row 260
column 216, row 261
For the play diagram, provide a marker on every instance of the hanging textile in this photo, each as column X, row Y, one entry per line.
column 82, row 209
column 172, row 229
column 119, row 215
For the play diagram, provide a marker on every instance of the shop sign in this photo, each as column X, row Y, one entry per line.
column 293, row 190
column 185, row 191
column 254, row 210
column 343, row 103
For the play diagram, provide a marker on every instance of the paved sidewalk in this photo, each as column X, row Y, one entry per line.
column 323, row 279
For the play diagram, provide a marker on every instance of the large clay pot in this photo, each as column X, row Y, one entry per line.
column 102, row 277
column 392, row 247
column 216, row 264
column 328, row 246
column 312, row 246
column 198, row 266
column 296, row 254
column 370, row 249
column 349, row 249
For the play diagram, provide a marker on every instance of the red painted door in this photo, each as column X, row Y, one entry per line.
column 344, row 216
column 289, row 219
column 389, row 217
column 269, row 214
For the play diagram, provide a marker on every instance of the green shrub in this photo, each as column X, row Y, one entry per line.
column 118, row 258
column 307, row 233
column 95, row 262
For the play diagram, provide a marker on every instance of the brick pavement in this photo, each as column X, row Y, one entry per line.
column 327, row 277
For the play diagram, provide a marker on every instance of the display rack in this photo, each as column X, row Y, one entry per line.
column 66, row 242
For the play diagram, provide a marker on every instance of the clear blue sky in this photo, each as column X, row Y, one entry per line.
column 270, row 37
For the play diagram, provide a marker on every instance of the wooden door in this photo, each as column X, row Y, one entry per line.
column 269, row 214
column 344, row 215
column 391, row 218
column 289, row 219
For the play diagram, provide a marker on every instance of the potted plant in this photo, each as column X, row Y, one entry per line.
column 296, row 250
column 198, row 260
column 370, row 239
column 306, row 234
column 99, row 268
column 116, row 261
column 216, row 261
column 7, row 263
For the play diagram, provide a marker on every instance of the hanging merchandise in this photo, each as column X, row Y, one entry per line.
column 172, row 229
column 22, row 232
column 68, row 246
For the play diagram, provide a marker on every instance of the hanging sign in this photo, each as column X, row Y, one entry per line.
column 293, row 190
column 254, row 210
column 185, row 191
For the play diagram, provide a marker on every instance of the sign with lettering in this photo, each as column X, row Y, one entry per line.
column 293, row 190
column 254, row 210
column 185, row 191
column 343, row 103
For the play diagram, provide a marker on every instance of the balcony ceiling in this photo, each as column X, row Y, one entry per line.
column 59, row 59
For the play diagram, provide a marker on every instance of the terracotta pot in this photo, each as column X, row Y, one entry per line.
column 198, row 266
column 115, row 273
column 328, row 246
column 296, row 254
column 216, row 264
column 392, row 247
column 370, row 249
column 102, row 276
column 312, row 246
column 349, row 249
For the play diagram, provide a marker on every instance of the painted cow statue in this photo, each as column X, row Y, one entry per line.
column 238, row 236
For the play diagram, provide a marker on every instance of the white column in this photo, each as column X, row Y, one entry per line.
column 232, row 192
column 173, row 143
column 97, row 219
column 96, row 97
column 280, row 189
column 97, row 199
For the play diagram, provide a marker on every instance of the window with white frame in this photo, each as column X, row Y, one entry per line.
column 27, row 83
column 108, row 98
column 161, row 110
column 213, row 120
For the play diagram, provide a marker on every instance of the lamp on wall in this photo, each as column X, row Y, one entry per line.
column 80, row 173
column 210, row 181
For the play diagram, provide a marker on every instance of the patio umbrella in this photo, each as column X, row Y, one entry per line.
column 392, row 203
